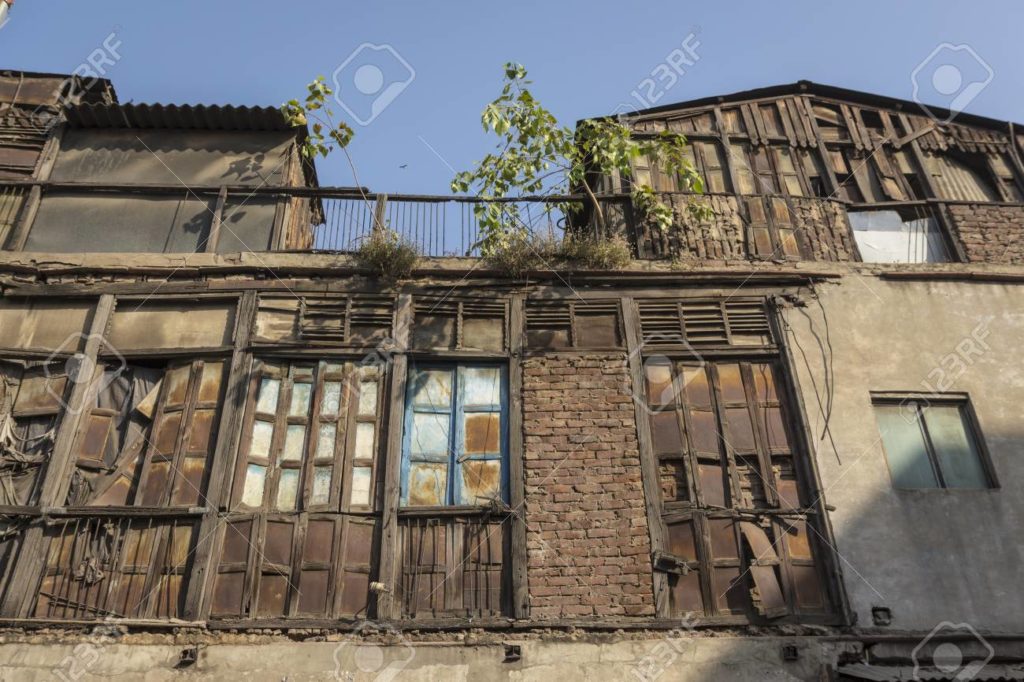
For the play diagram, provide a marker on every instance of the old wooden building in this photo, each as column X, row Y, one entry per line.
column 780, row 444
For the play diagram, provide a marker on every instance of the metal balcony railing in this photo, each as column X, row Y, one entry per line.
column 320, row 219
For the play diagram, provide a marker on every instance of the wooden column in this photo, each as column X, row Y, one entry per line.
column 388, row 607
column 517, row 472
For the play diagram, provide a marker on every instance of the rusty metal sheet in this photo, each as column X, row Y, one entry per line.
column 482, row 433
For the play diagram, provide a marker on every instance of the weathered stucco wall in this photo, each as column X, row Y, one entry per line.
column 929, row 555
column 668, row 658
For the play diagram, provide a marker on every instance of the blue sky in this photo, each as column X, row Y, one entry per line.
column 585, row 58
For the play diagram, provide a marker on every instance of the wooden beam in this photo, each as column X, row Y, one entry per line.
column 648, row 465
column 388, row 607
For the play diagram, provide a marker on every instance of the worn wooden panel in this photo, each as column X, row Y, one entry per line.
column 171, row 325
column 128, row 568
column 453, row 567
column 41, row 324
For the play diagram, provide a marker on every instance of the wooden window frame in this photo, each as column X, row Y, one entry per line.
column 456, row 411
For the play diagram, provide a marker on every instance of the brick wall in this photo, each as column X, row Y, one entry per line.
column 990, row 234
column 587, row 535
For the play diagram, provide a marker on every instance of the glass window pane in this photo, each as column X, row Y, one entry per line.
column 287, row 489
column 429, row 434
column 481, row 481
column 301, row 394
column 321, row 485
column 255, row 479
column 428, row 484
column 293, row 442
column 959, row 459
column 325, row 440
column 361, row 485
column 262, row 435
column 330, row 403
column 368, row 398
column 364, row 440
column 482, row 385
column 905, row 447
column 432, row 389
column 270, row 389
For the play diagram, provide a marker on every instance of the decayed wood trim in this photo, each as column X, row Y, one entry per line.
column 388, row 606
column 30, row 208
column 830, row 173
column 200, row 583
column 517, row 473
column 807, row 472
column 57, row 475
column 648, row 465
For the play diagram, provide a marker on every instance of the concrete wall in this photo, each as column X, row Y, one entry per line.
column 929, row 555
column 666, row 659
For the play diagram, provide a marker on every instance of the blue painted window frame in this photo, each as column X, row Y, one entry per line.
column 456, row 410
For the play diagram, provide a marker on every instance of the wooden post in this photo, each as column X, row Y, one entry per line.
column 379, row 210
column 388, row 607
column 517, row 473
column 218, row 219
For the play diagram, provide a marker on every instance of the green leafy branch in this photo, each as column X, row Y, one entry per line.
column 536, row 155
column 315, row 109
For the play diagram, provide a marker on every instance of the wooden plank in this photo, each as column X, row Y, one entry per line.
column 517, row 473
column 648, row 464
column 388, row 607
column 218, row 219
column 830, row 173
column 220, row 467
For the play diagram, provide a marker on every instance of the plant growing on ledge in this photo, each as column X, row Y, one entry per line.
column 537, row 156
column 388, row 254
column 384, row 251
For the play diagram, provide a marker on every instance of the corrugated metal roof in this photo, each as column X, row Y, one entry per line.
column 991, row 672
column 174, row 116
